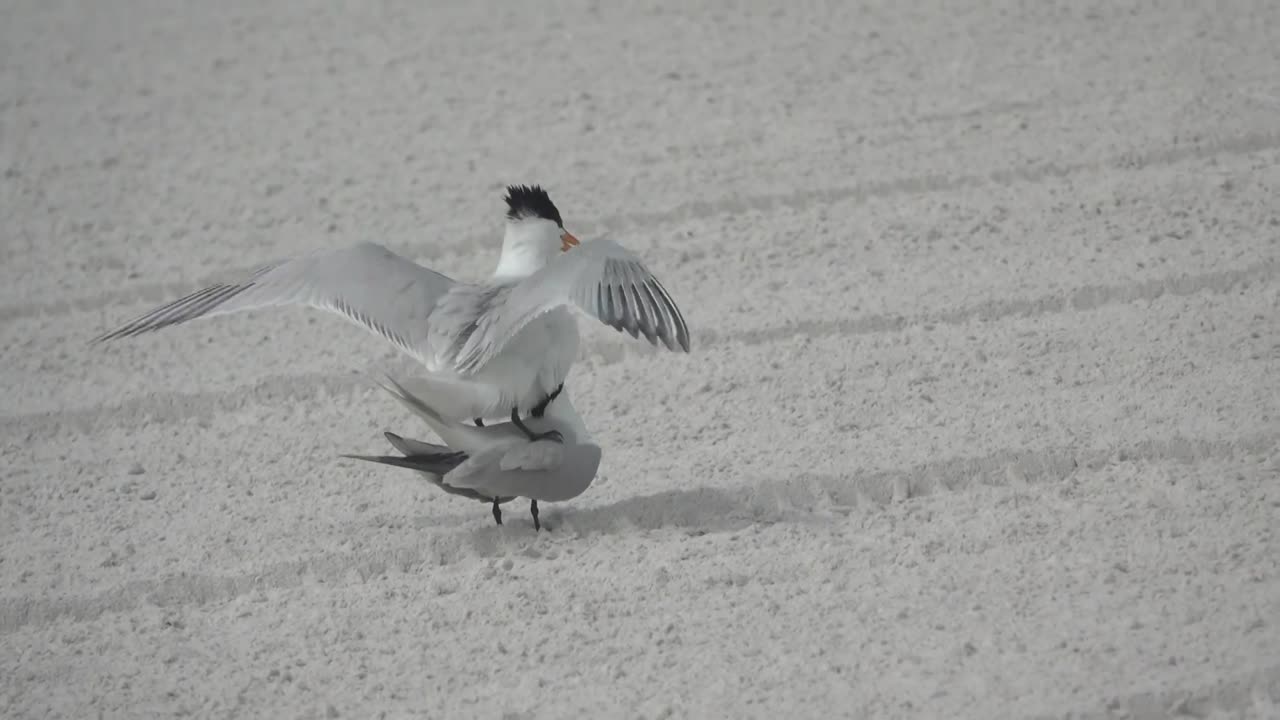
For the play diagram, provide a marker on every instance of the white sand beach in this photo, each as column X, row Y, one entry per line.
column 982, row 417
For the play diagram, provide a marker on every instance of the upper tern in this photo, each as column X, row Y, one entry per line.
column 489, row 348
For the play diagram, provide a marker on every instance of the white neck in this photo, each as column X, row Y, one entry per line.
column 527, row 245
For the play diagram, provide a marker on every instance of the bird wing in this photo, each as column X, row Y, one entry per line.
column 571, row 472
column 539, row 455
column 601, row 278
column 366, row 283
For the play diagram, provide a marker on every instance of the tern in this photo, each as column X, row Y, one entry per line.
column 498, row 463
column 489, row 348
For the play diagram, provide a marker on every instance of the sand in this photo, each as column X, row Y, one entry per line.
column 982, row 417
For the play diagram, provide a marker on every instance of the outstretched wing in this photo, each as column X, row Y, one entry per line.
column 366, row 283
column 601, row 278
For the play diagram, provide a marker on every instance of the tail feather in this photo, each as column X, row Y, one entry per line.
column 407, row 446
column 432, row 464
column 452, row 433
column 560, row 413
column 434, row 467
column 410, row 400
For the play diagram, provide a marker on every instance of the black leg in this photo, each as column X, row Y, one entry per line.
column 541, row 407
column 533, row 508
column 479, row 422
column 515, row 418
column 497, row 511
column 534, row 437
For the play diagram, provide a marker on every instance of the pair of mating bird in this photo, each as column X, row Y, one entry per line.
column 489, row 348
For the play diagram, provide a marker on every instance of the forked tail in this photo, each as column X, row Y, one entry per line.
column 453, row 434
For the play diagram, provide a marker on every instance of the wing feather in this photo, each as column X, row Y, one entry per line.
column 602, row 279
column 367, row 284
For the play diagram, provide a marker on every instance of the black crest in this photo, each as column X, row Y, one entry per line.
column 531, row 201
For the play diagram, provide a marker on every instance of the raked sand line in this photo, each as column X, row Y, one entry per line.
column 806, row 497
column 1084, row 299
column 174, row 406
column 1251, row 694
column 917, row 185
column 155, row 292
column 904, row 129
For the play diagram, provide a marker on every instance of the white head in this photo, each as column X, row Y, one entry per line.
column 535, row 234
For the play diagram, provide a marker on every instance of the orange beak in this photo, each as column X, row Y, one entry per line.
column 567, row 241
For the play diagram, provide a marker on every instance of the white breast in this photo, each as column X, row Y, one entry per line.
column 533, row 364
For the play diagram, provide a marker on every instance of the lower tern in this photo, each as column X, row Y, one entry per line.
column 497, row 463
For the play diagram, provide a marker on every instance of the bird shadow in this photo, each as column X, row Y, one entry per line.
column 807, row 499
column 802, row 499
column 702, row 510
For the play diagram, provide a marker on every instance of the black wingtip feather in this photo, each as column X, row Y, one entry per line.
column 682, row 330
column 179, row 311
column 643, row 324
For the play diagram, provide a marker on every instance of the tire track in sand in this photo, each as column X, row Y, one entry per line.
column 708, row 509
column 917, row 185
column 1251, row 694
column 175, row 406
